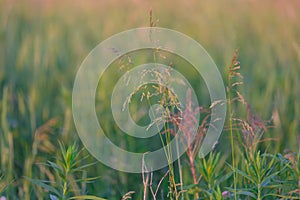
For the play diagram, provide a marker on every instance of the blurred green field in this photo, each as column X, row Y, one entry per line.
column 42, row 44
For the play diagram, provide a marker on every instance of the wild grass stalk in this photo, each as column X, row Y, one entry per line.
column 6, row 141
column 166, row 135
column 41, row 142
column 231, row 74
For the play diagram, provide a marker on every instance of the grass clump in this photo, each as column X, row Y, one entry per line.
column 69, row 181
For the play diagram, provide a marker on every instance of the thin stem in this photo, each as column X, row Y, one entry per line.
column 193, row 170
column 166, row 146
column 65, row 186
column 231, row 136
column 259, row 191
column 179, row 168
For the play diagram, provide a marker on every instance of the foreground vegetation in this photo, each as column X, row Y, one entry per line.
column 42, row 46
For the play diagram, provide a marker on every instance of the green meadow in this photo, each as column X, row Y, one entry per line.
column 42, row 45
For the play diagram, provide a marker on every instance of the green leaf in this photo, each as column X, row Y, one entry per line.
column 87, row 179
column 247, row 193
column 243, row 174
column 187, row 187
column 80, row 168
column 44, row 185
column 53, row 197
column 223, row 178
column 87, row 197
column 55, row 166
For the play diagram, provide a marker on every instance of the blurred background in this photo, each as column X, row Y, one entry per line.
column 43, row 43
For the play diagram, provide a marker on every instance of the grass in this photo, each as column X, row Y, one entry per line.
column 42, row 45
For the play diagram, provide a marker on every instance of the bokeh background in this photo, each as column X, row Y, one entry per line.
column 43, row 42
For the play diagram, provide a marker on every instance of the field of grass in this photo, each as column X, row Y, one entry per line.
column 42, row 45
